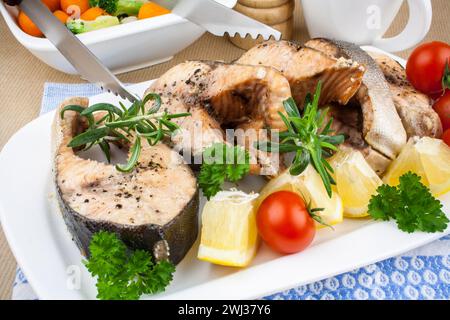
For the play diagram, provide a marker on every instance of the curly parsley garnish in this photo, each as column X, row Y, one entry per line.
column 411, row 204
column 122, row 275
column 222, row 163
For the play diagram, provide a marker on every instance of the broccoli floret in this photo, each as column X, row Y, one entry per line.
column 81, row 26
column 119, row 7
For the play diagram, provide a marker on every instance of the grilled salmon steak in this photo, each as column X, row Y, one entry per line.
column 225, row 96
column 304, row 67
column 382, row 128
column 414, row 108
column 153, row 208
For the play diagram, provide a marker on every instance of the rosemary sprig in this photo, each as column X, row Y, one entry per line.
column 122, row 124
column 308, row 137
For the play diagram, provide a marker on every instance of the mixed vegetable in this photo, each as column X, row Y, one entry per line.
column 87, row 15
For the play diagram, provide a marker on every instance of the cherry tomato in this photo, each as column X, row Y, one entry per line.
column 446, row 137
column 442, row 107
column 426, row 66
column 284, row 222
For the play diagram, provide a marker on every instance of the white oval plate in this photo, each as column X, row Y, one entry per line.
column 52, row 263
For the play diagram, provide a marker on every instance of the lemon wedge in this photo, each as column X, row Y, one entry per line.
column 356, row 181
column 310, row 187
column 427, row 157
column 229, row 233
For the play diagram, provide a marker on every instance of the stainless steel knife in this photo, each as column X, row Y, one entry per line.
column 81, row 58
column 219, row 19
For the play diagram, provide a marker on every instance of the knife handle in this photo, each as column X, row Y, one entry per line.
column 13, row 2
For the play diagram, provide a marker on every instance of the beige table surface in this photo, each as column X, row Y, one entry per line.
column 22, row 77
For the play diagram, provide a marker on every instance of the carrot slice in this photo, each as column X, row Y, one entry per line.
column 93, row 13
column 150, row 10
column 28, row 26
column 61, row 15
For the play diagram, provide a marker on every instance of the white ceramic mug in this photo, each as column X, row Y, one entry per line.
column 364, row 22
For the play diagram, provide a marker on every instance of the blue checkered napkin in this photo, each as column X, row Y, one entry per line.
column 423, row 273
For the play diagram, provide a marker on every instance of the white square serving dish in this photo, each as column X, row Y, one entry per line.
column 121, row 48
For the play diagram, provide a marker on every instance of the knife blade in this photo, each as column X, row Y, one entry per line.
column 219, row 19
column 81, row 58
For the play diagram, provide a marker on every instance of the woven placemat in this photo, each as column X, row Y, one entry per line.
column 22, row 77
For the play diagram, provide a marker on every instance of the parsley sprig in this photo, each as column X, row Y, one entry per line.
column 222, row 163
column 411, row 204
column 309, row 137
column 122, row 275
column 122, row 124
